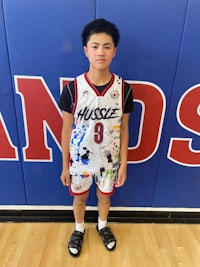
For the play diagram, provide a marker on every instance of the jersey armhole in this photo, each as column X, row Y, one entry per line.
column 123, row 86
column 75, row 96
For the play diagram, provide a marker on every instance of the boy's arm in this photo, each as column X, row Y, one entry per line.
column 67, row 126
column 124, row 138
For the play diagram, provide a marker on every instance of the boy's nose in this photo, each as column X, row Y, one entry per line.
column 101, row 50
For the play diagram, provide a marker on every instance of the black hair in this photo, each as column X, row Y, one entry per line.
column 100, row 26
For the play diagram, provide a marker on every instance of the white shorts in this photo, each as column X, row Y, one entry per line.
column 82, row 183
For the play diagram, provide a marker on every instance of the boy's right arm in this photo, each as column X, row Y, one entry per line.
column 67, row 126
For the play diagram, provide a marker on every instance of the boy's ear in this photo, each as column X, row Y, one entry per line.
column 115, row 51
column 85, row 50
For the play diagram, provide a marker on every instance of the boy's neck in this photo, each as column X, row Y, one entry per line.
column 99, row 78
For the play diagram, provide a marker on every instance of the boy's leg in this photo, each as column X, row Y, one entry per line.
column 76, row 240
column 103, row 205
column 104, row 231
column 79, row 206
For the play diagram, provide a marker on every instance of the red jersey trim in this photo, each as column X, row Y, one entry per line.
column 94, row 88
column 107, row 193
column 82, row 193
column 77, row 194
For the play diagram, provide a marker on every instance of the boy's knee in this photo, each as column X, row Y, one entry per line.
column 80, row 200
column 103, row 198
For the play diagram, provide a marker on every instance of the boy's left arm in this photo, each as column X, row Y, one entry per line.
column 124, row 138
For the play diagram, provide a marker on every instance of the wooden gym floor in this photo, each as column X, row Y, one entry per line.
column 140, row 245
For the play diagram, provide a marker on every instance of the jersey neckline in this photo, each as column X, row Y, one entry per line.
column 95, row 87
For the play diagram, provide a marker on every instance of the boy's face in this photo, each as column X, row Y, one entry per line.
column 100, row 51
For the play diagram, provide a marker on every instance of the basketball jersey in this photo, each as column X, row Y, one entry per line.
column 95, row 139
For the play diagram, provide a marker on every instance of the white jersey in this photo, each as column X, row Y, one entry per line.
column 95, row 140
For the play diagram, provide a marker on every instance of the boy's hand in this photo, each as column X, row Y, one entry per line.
column 121, row 178
column 65, row 177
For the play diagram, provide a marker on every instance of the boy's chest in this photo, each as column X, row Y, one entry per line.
column 88, row 97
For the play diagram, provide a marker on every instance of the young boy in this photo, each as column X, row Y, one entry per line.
column 96, row 108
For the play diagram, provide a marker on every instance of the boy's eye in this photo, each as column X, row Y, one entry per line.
column 95, row 47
